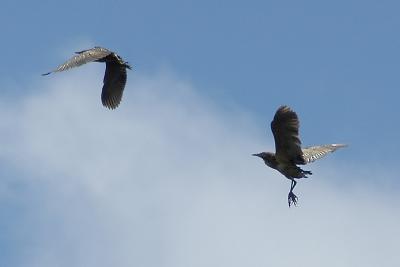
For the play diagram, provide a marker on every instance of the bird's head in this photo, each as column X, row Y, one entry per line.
column 268, row 157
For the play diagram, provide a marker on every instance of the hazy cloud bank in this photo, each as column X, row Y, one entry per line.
column 167, row 180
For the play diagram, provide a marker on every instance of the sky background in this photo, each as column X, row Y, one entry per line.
column 167, row 179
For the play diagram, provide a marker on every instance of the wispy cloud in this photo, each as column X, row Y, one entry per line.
column 167, row 180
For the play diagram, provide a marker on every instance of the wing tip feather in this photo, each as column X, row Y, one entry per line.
column 339, row 145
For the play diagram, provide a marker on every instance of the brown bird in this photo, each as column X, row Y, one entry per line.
column 114, row 77
column 289, row 154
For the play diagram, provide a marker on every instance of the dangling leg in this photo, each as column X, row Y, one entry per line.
column 292, row 198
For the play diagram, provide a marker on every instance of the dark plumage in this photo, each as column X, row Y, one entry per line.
column 289, row 154
column 114, row 77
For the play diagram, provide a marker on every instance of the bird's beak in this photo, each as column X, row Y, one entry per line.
column 257, row 155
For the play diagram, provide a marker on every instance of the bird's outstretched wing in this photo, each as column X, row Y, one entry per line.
column 83, row 57
column 313, row 153
column 285, row 127
column 114, row 84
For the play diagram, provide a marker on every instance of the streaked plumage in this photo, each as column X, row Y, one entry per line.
column 313, row 153
column 289, row 154
column 114, row 77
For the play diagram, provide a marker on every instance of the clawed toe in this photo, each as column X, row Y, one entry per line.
column 292, row 199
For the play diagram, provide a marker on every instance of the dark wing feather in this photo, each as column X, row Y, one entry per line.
column 285, row 127
column 114, row 84
column 313, row 153
column 83, row 57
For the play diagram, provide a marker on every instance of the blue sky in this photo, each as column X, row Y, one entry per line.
column 337, row 61
column 207, row 76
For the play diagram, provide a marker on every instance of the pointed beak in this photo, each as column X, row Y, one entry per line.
column 257, row 155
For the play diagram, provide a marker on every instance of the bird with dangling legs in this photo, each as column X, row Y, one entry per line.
column 288, row 152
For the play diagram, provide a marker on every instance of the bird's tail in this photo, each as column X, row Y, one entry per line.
column 126, row 65
column 305, row 173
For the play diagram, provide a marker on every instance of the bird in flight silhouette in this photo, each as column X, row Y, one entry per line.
column 288, row 152
column 114, row 77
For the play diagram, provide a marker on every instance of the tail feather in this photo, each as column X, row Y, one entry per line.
column 305, row 173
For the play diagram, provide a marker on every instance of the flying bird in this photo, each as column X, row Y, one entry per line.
column 114, row 76
column 289, row 154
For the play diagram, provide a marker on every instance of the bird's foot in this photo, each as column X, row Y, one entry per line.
column 292, row 199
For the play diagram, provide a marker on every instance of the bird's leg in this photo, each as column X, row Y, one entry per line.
column 292, row 198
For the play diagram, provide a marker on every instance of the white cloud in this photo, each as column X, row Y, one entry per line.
column 167, row 180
